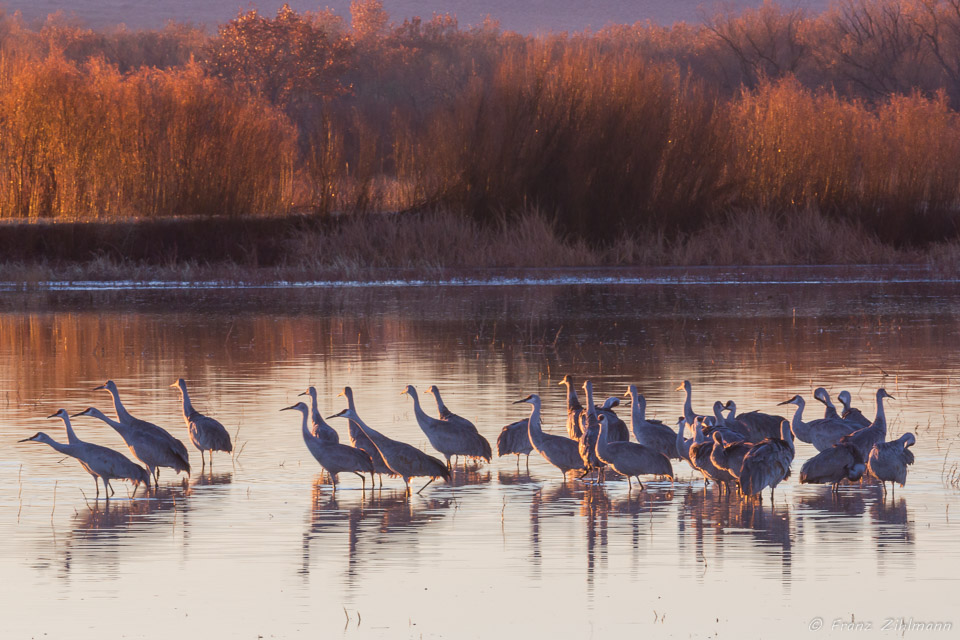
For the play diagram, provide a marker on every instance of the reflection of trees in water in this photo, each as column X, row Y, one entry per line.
column 373, row 521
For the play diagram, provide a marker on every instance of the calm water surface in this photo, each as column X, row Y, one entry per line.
column 257, row 548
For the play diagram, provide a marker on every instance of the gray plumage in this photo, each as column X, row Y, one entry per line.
column 401, row 458
column 100, row 462
column 768, row 463
column 888, row 461
column 618, row 428
column 561, row 452
column 146, row 446
column 446, row 437
column 471, row 438
column 589, row 433
column 684, row 444
column 830, row 412
column 206, row 434
column 850, row 413
column 361, row 441
column 754, row 425
column 834, row 465
column 701, row 459
column 515, row 438
column 650, row 433
column 629, row 458
column 729, row 456
column 822, row 433
column 321, row 429
column 864, row 439
column 176, row 447
column 333, row 456
column 574, row 409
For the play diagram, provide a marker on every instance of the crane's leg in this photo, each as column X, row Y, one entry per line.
column 96, row 483
column 333, row 481
column 426, row 485
column 629, row 483
column 363, row 479
column 883, row 483
column 639, row 483
column 528, row 462
column 211, row 460
column 893, row 489
column 156, row 473
column 203, row 462
column 110, row 488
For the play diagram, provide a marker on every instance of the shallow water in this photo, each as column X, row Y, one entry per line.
column 256, row 547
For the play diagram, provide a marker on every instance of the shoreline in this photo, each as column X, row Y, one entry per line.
column 527, row 277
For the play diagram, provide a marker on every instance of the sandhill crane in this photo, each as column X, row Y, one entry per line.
column 153, row 450
column 361, row 441
column 176, row 446
column 729, row 456
column 754, row 425
column 206, row 434
column 834, row 465
column 830, row 412
column 515, row 438
column 700, row 457
column 684, row 444
column 589, row 432
column 864, row 439
column 821, row 433
column 574, row 409
column 475, row 442
column 888, row 460
column 768, row 463
column 333, row 456
column 850, row 413
column 100, row 462
column 446, row 437
column 629, row 458
column 561, row 452
column 688, row 414
column 321, row 429
column 401, row 458
column 617, row 427
column 650, row 433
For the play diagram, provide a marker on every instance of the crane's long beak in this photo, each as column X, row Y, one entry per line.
column 627, row 394
column 288, row 408
column 521, row 401
column 891, row 397
column 303, row 394
column 680, row 388
column 25, row 440
column 790, row 401
column 77, row 415
column 56, row 415
column 100, row 388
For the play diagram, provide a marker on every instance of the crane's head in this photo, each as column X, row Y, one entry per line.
column 718, row 407
column 61, row 413
column 882, row 393
column 684, row 386
column 730, row 405
column 908, row 440
column 346, row 393
column 312, row 393
column 567, row 380
column 433, row 390
column 717, row 438
column 820, row 394
column 796, row 400
column 180, row 384
column 89, row 411
column 611, row 402
column 302, row 408
column 109, row 385
column 409, row 390
column 346, row 413
column 37, row 437
column 844, row 398
column 631, row 392
column 587, row 386
column 533, row 399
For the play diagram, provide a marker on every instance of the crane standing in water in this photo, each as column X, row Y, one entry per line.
column 888, row 461
column 650, row 433
column 178, row 449
column 333, row 456
column 206, row 434
column 561, row 452
column 474, row 444
column 515, row 438
column 100, row 462
column 360, row 440
column 402, row 459
column 629, row 458
column 146, row 446
column 865, row 439
column 574, row 409
column 850, row 413
column 321, row 429
column 768, row 463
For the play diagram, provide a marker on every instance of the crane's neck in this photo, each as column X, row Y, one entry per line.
column 65, row 449
column 187, row 407
column 314, row 411
column 831, row 410
column 797, row 425
column 732, row 408
column 603, row 446
column 637, row 415
column 881, row 419
column 718, row 412
column 698, row 435
column 71, row 436
column 573, row 401
column 688, row 415
column 418, row 410
column 591, row 408
column 99, row 415
column 441, row 408
column 534, row 431
column 122, row 414
column 786, row 435
column 307, row 431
